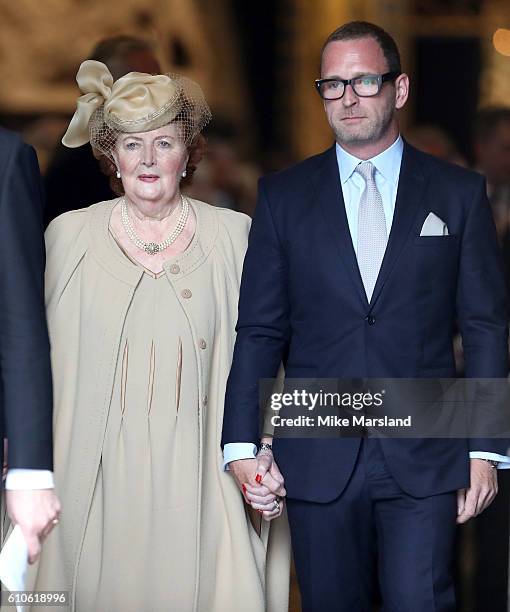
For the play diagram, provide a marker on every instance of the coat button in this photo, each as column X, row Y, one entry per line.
column 186, row 294
column 370, row 320
column 204, row 401
column 174, row 269
column 202, row 343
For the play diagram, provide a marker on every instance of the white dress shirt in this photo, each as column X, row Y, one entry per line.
column 29, row 479
column 387, row 166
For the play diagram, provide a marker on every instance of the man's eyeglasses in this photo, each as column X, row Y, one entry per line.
column 364, row 86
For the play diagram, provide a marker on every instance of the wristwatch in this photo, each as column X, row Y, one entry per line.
column 265, row 447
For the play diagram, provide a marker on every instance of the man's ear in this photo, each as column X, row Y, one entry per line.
column 401, row 90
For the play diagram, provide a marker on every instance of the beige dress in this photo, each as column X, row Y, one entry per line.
column 150, row 520
column 147, row 483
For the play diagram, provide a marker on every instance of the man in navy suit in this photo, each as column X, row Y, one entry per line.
column 343, row 278
column 25, row 373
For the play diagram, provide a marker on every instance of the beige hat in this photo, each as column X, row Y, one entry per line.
column 137, row 102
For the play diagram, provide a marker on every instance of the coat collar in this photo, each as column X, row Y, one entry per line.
column 119, row 266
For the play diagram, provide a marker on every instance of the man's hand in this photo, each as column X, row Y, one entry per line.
column 482, row 490
column 243, row 471
column 36, row 511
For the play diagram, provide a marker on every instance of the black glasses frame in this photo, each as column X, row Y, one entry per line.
column 381, row 78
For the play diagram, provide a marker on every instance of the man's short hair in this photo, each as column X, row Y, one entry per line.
column 488, row 120
column 355, row 30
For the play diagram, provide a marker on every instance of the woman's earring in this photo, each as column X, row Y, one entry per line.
column 118, row 173
column 184, row 174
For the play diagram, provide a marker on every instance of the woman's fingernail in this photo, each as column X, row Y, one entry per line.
column 244, row 488
column 258, row 478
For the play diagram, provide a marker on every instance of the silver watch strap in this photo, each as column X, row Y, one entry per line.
column 265, row 447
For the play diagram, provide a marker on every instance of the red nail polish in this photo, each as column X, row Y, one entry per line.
column 258, row 478
column 244, row 489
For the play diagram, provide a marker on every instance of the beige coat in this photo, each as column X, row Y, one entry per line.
column 236, row 569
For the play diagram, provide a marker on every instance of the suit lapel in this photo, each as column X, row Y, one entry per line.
column 328, row 190
column 411, row 188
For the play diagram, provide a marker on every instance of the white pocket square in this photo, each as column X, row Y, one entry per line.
column 434, row 226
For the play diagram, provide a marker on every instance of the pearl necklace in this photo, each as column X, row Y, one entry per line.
column 153, row 247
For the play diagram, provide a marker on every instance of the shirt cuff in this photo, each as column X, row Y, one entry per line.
column 238, row 450
column 29, row 479
column 504, row 460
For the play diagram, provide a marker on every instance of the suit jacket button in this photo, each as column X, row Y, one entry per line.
column 186, row 294
column 202, row 343
column 174, row 269
column 370, row 320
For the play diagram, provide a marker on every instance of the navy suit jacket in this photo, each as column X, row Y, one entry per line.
column 303, row 302
column 25, row 374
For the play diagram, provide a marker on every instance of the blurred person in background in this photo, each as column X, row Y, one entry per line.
column 491, row 147
column 224, row 178
column 434, row 140
column 73, row 178
column 142, row 295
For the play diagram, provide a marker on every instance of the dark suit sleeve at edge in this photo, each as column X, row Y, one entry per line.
column 24, row 346
column 482, row 306
column 262, row 327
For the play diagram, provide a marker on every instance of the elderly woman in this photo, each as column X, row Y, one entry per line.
column 142, row 299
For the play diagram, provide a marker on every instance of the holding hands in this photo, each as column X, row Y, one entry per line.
column 261, row 482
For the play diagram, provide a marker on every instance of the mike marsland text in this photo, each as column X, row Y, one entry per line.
column 356, row 420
